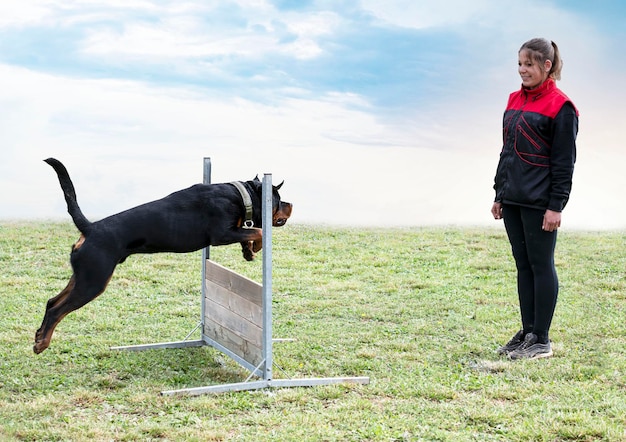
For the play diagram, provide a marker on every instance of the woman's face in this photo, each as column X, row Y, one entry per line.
column 532, row 73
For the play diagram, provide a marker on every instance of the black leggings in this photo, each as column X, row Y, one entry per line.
column 537, row 282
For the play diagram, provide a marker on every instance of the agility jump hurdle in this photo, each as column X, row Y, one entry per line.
column 236, row 318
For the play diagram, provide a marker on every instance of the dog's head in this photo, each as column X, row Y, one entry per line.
column 281, row 210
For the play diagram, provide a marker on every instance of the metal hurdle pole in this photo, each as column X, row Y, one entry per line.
column 267, row 277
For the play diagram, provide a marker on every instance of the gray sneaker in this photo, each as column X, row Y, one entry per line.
column 515, row 342
column 531, row 349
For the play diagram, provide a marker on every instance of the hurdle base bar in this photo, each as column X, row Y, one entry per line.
column 258, row 385
column 190, row 344
column 205, row 342
column 159, row 345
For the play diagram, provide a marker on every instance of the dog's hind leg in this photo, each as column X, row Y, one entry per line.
column 86, row 284
column 41, row 341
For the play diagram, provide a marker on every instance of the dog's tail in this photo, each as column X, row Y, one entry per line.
column 82, row 223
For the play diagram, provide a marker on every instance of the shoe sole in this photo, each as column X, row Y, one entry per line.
column 542, row 355
column 536, row 356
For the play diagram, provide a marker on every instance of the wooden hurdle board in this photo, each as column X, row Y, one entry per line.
column 233, row 313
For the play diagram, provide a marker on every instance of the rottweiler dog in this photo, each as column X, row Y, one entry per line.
column 185, row 221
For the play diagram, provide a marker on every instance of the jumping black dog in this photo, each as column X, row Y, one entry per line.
column 185, row 221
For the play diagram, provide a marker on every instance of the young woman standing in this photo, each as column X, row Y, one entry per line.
column 532, row 184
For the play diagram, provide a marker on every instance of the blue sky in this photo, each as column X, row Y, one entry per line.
column 374, row 113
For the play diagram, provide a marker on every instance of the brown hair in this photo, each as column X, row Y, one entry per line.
column 541, row 50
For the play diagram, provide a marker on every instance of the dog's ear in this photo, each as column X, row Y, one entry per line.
column 256, row 185
column 280, row 185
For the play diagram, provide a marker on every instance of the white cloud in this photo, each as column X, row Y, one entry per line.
column 185, row 34
column 421, row 14
column 171, row 40
column 17, row 13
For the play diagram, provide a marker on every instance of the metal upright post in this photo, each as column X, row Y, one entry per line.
column 267, row 276
column 206, row 179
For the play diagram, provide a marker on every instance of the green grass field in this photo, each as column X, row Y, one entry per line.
column 420, row 311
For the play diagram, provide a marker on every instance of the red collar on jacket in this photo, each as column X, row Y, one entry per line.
column 546, row 87
column 547, row 99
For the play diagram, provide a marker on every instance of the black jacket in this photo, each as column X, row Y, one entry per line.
column 537, row 159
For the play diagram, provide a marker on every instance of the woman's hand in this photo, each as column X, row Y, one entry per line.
column 551, row 221
column 496, row 210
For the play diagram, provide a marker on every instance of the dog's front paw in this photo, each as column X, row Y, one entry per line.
column 248, row 250
column 39, row 346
